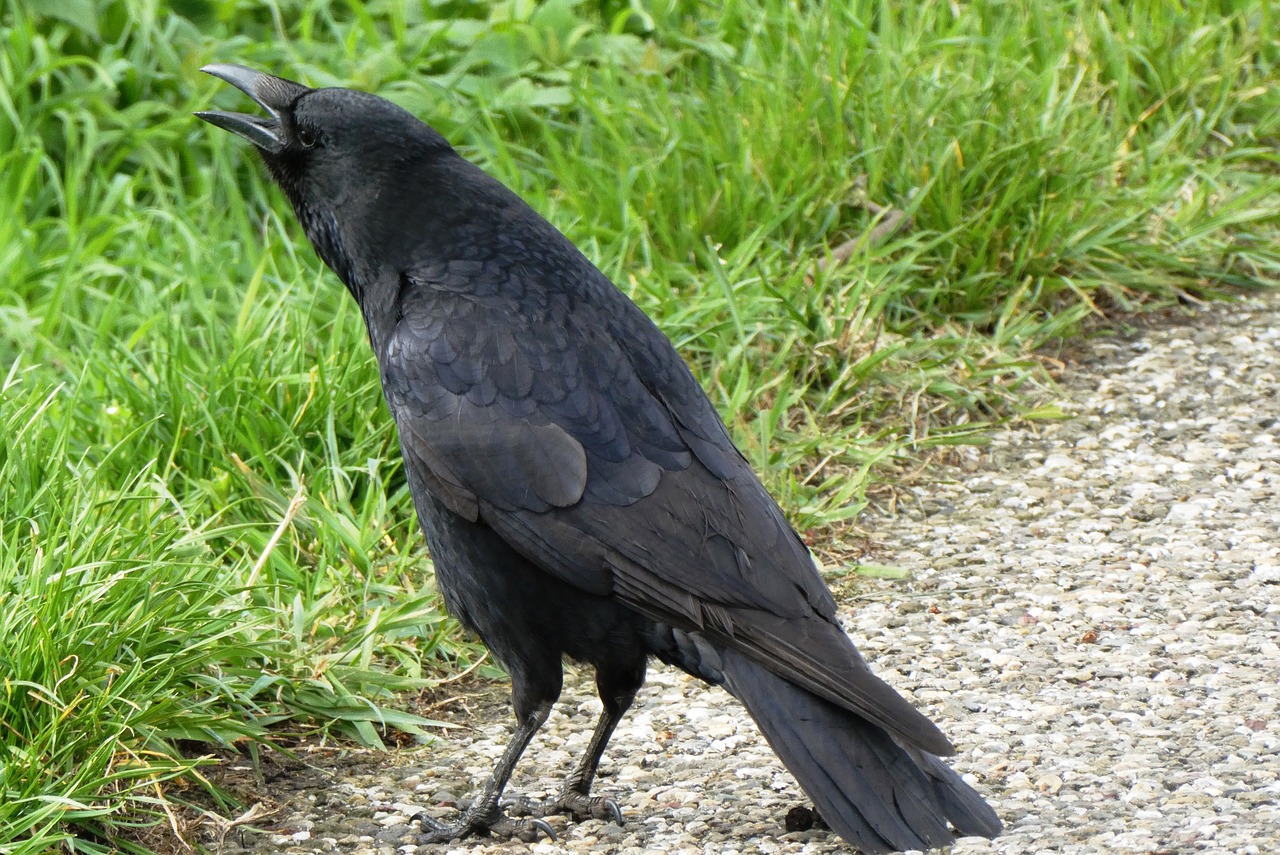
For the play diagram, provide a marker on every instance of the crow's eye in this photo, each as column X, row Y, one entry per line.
column 306, row 137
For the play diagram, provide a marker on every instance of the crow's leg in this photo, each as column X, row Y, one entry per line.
column 533, row 702
column 617, row 690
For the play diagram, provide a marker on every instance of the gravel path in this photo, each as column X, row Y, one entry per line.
column 1093, row 618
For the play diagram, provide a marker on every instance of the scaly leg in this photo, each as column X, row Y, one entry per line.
column 575, row 799
column 485, row 816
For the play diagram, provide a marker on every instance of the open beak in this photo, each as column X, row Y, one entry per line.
column 273, row 94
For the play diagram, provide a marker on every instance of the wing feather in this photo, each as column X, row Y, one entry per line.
column 566, row 422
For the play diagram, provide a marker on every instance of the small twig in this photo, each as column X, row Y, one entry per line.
column 223, row 826
column 892, row 221
column 889, row 221
column 295, row 505
column 1188, row 297
column 814, row 472
column 473, row 666
column 449, row 701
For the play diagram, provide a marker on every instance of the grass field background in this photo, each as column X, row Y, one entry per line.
column 204, row 528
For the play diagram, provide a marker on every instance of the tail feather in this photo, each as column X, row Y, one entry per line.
column 875, row 793
column 968, row 811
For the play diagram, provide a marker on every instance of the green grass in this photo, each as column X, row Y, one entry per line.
column 204, row 529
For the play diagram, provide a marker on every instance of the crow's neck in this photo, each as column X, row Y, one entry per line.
column 326, row 236
column 336, row 251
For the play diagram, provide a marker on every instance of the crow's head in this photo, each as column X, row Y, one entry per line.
column 342, row 157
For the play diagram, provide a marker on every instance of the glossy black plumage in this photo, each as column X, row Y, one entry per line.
column 579, row 493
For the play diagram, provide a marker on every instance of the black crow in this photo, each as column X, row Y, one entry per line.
column 579, row 493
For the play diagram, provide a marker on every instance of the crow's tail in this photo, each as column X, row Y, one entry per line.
column 877, row 794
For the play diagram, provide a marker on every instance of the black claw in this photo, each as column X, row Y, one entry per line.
column 615, row 810
column 542, row 826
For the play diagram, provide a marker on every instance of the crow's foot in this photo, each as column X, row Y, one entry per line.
column 475, row 822
column 569, row 803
